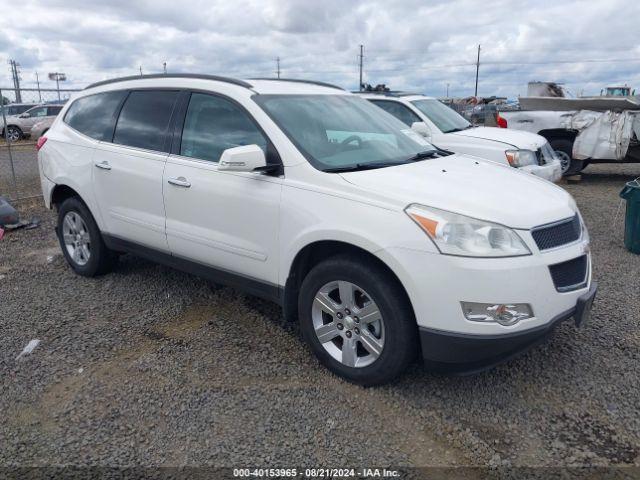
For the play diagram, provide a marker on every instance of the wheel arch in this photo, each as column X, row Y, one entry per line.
column 315, row 252
column 61, row 192
column 558, row 133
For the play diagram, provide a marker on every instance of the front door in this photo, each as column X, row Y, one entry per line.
column 225, row 220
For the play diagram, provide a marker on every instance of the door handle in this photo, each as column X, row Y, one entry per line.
column 179, row 182
column 103, row 165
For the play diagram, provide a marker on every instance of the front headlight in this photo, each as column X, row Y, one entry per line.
column 460, row 235
column 521, row 158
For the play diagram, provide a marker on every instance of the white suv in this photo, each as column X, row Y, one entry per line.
column 379, row 244
column 446, row 129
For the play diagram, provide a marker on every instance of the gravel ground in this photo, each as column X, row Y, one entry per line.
column 149, row 366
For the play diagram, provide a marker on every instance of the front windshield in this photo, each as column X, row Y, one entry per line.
column 343, row 131
column 445, row 118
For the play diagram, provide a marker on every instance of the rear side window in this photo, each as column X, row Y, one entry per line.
column 398, row 110
column 213, row 124
column 144, row 119
column 51, row 111
column 94, row 115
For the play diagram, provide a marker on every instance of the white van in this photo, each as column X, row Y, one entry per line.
column 446, row 129
column 380, row 245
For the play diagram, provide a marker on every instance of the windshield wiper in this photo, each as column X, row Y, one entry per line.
column 361, row 166
column 423, row 155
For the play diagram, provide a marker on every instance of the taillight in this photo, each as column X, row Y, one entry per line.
column 502, row 122
column 40, row 143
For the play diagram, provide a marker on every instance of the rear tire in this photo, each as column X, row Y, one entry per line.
column 564, row 149
column 370, row 336
column 81, row 241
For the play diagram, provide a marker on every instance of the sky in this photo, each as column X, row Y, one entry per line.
column 417, row 45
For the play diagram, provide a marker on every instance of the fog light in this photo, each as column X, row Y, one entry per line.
column 504, row 314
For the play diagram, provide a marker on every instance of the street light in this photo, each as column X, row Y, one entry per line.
column 58, row 77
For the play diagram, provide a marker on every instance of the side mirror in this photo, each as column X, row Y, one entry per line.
column 242, row 159
column 421, row 128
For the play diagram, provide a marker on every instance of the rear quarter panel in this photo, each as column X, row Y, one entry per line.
column 67, row 159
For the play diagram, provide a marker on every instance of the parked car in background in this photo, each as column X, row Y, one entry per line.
column 41, row 128
column 307, row 195
column 17, row 108
column 448, row 130
column 19, row 126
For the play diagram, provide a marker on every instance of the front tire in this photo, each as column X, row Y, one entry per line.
column 357, row 320
column 13, row 133
column 81, row 240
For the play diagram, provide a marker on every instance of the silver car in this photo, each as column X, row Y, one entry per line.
column 19, row 126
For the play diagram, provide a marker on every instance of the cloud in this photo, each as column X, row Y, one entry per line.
column 410, row 44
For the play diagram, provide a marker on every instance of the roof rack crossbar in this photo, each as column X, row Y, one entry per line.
column 234, row 81
column 298, row 80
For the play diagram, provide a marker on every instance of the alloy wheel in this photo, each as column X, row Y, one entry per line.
column 565, row 160
column 13, row 134
column 348, row 323
column 76, row 238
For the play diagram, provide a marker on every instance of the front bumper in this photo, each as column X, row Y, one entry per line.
column 466, row 354
column 552, row 171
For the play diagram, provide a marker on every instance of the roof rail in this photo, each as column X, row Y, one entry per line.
column 389, row 93
column 297, row 80
column 234, row 81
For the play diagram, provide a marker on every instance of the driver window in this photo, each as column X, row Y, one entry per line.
column 38, row 112
column 214, row 124
column 401, row 112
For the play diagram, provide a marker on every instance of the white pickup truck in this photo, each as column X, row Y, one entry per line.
column 446, row 129
column 581, row 130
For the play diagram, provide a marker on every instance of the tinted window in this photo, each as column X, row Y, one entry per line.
column 95, row 115
column 16, row 109
column 144, row 119
column 214, row 124
column 53, row 111
column 398, row 110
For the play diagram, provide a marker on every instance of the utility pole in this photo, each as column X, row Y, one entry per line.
column 140, row 70
column 38, row 83
column 477, row 70
column 164, row 67
column 447, row 90
column 361, row 62
column 15, row 74
column 278, row 66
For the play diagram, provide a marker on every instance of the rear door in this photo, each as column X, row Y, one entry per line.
column 226, row 220
column 128, row 171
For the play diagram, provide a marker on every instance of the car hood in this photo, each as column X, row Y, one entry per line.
column 472, row 187
column 516, row 138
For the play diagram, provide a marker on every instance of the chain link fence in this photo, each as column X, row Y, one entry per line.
column 19, row 176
